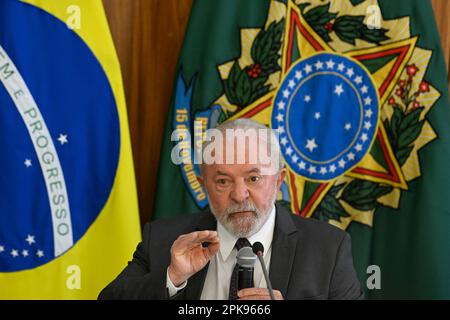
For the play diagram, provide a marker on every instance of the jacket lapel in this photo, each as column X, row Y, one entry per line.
column 195, row 284
column 283, row 250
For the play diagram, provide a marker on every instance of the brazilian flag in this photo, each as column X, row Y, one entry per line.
column 358, row 90
column 68, row 207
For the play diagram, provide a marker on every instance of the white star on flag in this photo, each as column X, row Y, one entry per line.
column 364, row 137
column 369, row 113
column 330, row 64
column 291, row 84
column 342, row 163
column 364, row 89
column 341, row 67
column 332, row 168
column 2, row 248
column 307, row 98
column 308, row 68
column 294, row 158
column 25, row 253
column 63, row 139
column 281, row 105
column 14, row 253
column 367, row 101
column 286, row 93
column 30, row 239
column 358, row 147
column 358, row 80
column 348, row 126
column 367, row 125
column 351, row 156
column 280, row 117
column 298, row 75
column 317, row 115
column 284, row 141
column 350, row 72
column 40, row 253
column 27, row 163
column 312, row 169
column 289, row 151
column 319, row 65
column 323, row 170
column 302, row 165
column 338, row 89
column 311, row 144
column 281, row 130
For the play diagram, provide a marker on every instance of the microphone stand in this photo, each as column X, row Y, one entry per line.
column 266, row 275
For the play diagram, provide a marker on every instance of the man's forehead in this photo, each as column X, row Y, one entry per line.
column 253, row 151
column 234, row 169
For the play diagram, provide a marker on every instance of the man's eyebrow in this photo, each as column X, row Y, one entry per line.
column 254, row 170
column 220, row 173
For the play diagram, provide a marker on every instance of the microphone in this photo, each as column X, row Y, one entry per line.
column 246, row 260
column 258, row 249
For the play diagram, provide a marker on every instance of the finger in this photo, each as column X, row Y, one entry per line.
column 195, row 237
column 257, row 297
column 277, row 295
column 253, row 292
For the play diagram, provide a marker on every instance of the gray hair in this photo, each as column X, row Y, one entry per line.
column 245, row 125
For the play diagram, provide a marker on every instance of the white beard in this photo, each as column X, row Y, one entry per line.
column 247, row 226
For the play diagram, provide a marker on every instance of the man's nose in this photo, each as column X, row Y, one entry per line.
column 240, row 192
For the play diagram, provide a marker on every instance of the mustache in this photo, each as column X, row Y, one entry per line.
column 246, row 206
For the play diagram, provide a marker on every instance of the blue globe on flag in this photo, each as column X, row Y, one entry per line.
column 326, row 112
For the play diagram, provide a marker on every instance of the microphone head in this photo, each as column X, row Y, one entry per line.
column 258, row 247
column 246, row 258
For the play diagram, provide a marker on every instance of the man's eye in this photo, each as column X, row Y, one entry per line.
column 255, row 178
column 222, row 181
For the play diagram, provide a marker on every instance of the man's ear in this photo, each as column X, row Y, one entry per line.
column 201, row 180
column 281, row 176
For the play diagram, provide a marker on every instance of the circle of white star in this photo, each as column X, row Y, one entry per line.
column 319, row 65
column 308, row 68
column 291, row 84
column 330, row 64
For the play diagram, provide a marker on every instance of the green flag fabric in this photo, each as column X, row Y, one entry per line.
column 358, row 92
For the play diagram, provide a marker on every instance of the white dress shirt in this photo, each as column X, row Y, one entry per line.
column 217, row 282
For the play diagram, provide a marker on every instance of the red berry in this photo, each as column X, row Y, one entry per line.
column 391, row 101
column 416, row 104
column 402, row 83
column 328, row 26
column 399, row 92
column 411, row 69
column 253, row 70
column 424, row 86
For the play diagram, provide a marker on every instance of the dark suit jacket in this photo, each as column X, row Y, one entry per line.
column 310, row 260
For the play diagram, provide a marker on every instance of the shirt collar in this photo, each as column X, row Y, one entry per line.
column 264, row 235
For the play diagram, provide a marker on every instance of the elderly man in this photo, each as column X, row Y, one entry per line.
column 194, row 256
